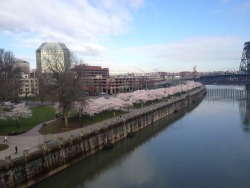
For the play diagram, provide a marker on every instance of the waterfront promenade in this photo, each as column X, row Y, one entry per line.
column 32, row 139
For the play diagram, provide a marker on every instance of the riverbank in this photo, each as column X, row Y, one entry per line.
column 56, row 152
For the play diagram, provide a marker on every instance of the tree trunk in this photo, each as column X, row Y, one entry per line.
column 66, row 122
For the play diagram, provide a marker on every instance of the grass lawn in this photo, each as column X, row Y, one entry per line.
column 74, row 122
column 3, row 147
column 39, row 114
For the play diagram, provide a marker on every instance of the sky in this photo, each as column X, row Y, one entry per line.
column 131, row 35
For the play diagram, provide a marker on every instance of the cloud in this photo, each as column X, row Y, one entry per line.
column 78, row 17
column 91, row 49
column 217, row 53
column 87, row 26
column 198, row 49
column 26, row 58
column 75, row 22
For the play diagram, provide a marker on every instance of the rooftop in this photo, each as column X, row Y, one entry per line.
column 46, row 46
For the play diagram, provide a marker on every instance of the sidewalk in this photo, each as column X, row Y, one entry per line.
column 33, row 139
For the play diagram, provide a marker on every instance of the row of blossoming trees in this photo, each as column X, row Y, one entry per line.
column 125, row 100
column 96, row 106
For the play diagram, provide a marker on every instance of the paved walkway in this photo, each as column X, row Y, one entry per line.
column 33, row 139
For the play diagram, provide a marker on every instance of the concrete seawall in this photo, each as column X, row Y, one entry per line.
column 55, row 156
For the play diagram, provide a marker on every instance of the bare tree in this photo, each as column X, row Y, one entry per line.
column 66, row 85
column 68, row 91
column 9, row 77
column 46, row 90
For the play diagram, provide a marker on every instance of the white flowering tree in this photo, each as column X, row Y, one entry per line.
column 125, row 100
column 14, row 111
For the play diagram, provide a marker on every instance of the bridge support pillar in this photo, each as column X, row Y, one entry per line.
column 248, row 87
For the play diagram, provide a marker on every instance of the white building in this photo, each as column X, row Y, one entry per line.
column 28, row 86
column 52, row 57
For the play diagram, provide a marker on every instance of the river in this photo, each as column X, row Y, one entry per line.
column 208, row 146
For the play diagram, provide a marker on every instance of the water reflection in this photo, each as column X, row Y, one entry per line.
column 238, row 94
column 244, row 106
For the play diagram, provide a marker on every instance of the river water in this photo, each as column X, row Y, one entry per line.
column 208, row 146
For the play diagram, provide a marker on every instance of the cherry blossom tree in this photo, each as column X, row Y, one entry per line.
column 125, row 100
column 11, row 111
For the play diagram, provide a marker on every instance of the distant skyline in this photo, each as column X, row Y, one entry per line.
column 152, row 35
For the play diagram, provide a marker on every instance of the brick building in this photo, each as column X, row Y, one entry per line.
column 96, row 79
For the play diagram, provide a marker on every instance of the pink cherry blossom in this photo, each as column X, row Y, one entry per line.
column 11, row 111
column 125, row 100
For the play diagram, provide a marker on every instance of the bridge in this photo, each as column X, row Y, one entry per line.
column 235, row 79
column 243, row 78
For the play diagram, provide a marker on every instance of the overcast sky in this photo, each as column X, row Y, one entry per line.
column 131, row 35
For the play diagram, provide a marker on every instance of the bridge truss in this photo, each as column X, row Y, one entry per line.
column 233, row 79
column 245, row 59
column 236, row 79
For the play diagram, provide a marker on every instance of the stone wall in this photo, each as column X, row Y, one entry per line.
column 55, row 156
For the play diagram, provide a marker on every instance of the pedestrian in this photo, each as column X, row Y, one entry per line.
column 5, row 139
column 16, row 149
column 120, row 115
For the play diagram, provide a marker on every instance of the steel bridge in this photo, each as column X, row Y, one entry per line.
column 237, row 79
column 227, row 79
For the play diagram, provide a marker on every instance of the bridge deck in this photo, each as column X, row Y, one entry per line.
column 236, row 79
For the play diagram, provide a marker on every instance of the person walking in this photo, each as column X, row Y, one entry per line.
column 5, row 139
column 16, row 149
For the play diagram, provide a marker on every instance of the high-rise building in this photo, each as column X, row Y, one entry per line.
column 52, row 57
